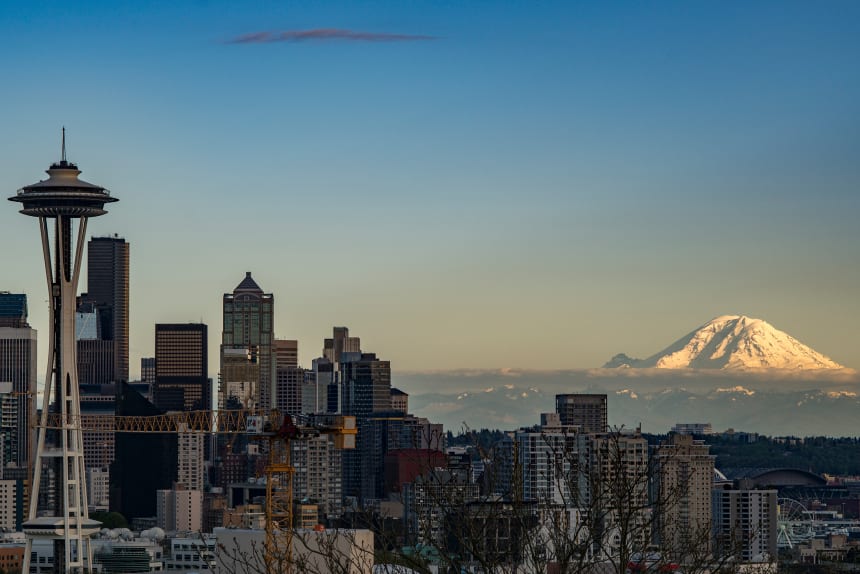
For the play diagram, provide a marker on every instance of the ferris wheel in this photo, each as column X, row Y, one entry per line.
column 793, row 523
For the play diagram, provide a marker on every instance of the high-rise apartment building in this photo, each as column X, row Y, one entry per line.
column 18, row 367
column 317, row 477
column 182, row 367
column 587, row 411
column 619, row 489
column 248, row 332
column 745, row 525
column 108, row 293
column 545, row 464
column 189, row 463
column 179, row 510
column 682, row 493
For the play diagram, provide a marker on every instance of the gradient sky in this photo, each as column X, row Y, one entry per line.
column 463, row 184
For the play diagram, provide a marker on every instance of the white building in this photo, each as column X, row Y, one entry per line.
column 190, row 460
column 328, row 551
column 98, row 488
column 10, row 506
column 179, row 510
column 194, row 553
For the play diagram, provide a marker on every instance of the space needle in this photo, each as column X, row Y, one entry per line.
column 57, row 202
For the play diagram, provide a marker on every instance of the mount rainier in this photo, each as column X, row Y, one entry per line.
column 733, row 342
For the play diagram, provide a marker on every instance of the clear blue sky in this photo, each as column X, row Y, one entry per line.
column 463, row 184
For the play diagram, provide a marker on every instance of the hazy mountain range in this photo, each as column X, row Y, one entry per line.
column 734, row 372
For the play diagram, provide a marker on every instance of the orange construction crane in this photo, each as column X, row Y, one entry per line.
column 275, row 430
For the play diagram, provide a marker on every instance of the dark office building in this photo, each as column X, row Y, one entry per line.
column 95, row 361
column 288, row 389
column 13, row 310
column 181, row 367
column 366, row 386
column 147, row 370
column 587, row 411
column 366, row 390
column 107, row 292
column 143, row 463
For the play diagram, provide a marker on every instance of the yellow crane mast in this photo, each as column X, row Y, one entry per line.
column 274, row 430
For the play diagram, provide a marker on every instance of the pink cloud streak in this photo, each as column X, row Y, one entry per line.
column 322, row 34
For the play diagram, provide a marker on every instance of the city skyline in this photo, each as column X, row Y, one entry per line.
column 533, row 187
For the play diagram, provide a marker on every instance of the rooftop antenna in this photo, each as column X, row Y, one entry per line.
column 63, row 159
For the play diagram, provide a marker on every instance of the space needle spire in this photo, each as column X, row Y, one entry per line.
column 57, row 202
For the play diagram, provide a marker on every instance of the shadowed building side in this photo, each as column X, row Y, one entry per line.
column 144, row 463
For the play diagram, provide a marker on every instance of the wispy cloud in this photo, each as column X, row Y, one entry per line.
column 325, row 34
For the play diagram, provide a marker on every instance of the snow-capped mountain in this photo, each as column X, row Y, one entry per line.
column 733, row 342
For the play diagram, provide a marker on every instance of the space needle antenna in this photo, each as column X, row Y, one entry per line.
column 63, row 155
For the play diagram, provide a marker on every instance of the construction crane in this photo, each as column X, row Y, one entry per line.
column 274, row 430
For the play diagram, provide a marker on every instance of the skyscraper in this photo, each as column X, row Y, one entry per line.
column 18, row 367
column 289, row 377
column 544, row 463
column 96, row 355
column 107, row 292
column 286, row 353
column 683, row 483
column 182, row 367
column 340, row 343
column 586, row 411
column 249, row 332
column 366, row 390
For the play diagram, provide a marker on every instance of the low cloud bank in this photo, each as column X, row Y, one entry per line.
column 769, row 402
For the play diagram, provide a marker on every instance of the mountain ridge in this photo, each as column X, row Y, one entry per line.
column 736, row 343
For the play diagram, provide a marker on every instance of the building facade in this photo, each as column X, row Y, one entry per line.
column 182, row 367
column 189, row 460
column 745, row 525
column 179, row 510
column 544, row 464
column 366, row 390
column 588, row 411
column 18, row 367
column 248, row 330
column 108, row 293
column 683, row 483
